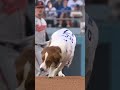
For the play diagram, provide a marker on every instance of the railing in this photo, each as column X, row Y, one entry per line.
column 72, row 20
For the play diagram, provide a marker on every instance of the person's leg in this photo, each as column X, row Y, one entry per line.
column 68, row 23
column 38, row 60
column 61, row 20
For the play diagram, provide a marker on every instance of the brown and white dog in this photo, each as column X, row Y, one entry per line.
column 59, row 53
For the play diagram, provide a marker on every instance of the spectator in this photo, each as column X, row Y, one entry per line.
column 72, row 3
column 40, row 33
column 53, row 1
column 65, row 13
column 76, row 14
column 58, row 5
column 45, row 2
column 51, row 14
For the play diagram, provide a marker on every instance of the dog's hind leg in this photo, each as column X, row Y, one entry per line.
column 51, row 74
column 69, row 62
column 61, row 74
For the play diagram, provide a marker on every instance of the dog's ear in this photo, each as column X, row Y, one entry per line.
column 43, row 52
column 43, row 57
column 57, row 58
column 56, row 55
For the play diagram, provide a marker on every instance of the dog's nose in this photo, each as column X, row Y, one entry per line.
column 41, row 69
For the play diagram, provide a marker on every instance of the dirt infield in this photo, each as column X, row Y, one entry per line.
column 60, row 83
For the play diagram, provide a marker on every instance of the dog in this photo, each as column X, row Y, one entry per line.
column 58, row 53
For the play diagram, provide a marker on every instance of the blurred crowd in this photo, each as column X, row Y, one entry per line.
column 63, row 13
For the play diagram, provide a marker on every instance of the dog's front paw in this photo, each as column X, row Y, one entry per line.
column 61, row 74
column 51, row 75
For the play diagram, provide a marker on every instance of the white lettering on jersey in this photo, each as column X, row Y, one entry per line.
column 68, row 36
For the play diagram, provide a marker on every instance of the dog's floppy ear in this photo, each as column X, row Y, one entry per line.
column 57, row 57
column 43, row 52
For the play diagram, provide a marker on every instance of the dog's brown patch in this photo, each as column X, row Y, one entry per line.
column 53, row 55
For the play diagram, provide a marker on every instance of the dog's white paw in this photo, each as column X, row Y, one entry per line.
column 51, row 75
column 61, row 74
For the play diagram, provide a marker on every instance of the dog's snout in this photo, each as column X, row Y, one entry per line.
column 41, row 69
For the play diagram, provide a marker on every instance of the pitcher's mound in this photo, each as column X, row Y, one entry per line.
column 60, row 83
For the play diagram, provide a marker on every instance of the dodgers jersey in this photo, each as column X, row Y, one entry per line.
column 40, row 27
column 65, row 39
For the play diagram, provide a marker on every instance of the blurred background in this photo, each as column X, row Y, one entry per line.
column 17, row 32
column 106, row 13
